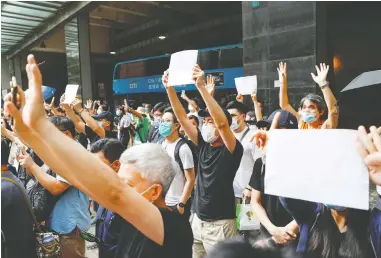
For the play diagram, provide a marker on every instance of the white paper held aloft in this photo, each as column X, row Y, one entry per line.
column 246, row 85
column 181, row 66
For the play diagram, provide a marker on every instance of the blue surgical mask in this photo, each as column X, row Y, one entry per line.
column 335, row 207
column 118, row 112
column 165, row 129
column 146, row 110
column 309, row 117
column 155, row 123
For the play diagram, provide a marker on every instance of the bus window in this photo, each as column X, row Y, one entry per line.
column 230, row 58
column 156, row 66
column 208, row 60
column 133, row 69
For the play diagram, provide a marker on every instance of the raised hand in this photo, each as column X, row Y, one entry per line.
column 370, row 150
column 261, row 136
column 254, row 97
column 198, row 76
column 321, row 77
column 210, row 86
column 77, row 105
column 282, row 72
column 183, row 95
column 164, row 79
column 62, row 104
column 89, row 104
column 31, row 115
column 239, row 98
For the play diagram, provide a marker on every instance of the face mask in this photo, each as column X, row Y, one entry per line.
column 155, row 123
column 165, row 129
column 309, row 117
column 100, row 123
column 118, row 112
column 99, row 111
column 335, row 207
column 234, row 125
column 209, row 134
column 191, row 109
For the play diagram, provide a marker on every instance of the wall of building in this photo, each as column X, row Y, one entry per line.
column 5, row 73
column 275, row 32
column 100, row 39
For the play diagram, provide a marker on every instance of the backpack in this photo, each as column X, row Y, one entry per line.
column 42, row 201
column 194, row 150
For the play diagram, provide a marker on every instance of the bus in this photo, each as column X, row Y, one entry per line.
column 143, row 76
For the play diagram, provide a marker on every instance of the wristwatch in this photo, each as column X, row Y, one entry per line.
column 326, row 84
column 181, row 205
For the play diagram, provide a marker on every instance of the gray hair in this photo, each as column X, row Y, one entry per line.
column 153, row 162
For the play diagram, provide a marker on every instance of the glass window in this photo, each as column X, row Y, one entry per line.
column 208, row 60
column 156, row 66
column 230, row 58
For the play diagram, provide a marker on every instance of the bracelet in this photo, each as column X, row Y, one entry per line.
column 247, row 188
column 326, row 84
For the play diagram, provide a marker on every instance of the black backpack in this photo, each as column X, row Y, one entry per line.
column 194, row 150
column 42, row 201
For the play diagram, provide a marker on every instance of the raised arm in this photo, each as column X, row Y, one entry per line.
column 66, row 157
column 77, row 121
column 132, row 111
column 257, row 107
column 50, row 183
column 283, row 95
column 179, row 111
column 330, row 100
column 215, row 110
column 91, row 122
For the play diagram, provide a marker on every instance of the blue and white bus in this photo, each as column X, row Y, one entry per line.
column 142, row 76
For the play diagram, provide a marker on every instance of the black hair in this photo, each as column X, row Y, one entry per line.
column 5, row 149
column 235, row 248
column 316, row 99
column 354, row 243
column 161, row 106
column 63, row 124
column 61, row 110
column 242, row 108
column 170, row 110
column 104, row 107
column 112, row 149
column 192, row 117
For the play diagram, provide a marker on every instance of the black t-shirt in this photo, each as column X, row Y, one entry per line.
column 214, row 195
column 93, row 136
column 16, row 220
column 274, row 209
column 178, row 239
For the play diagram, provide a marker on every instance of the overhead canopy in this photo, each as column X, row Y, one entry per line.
column 19, row 19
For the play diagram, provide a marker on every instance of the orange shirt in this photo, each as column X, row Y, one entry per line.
column 305, row 125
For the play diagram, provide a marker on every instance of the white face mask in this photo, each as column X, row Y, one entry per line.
column 100, row 123
column 99, row 111
column 118, row 112
column 209, row 134
column 234, row 125
column 191, row 109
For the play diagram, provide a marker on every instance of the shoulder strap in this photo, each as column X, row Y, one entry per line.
column 177, row 153
column 244, row 134
column 24, row 196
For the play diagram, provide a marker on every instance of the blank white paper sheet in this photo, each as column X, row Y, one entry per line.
column 246, row 85
column 70, row 93
column 317, row 165
column 181, row 66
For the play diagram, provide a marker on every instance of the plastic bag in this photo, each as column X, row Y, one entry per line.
column 245, row 218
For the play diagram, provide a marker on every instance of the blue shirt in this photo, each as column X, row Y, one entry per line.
column 70, row 211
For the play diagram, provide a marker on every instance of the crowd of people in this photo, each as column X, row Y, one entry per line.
column 165, row 181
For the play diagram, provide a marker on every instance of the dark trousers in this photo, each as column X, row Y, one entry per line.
column 187, row 209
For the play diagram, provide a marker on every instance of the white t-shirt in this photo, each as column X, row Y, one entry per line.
column 379, row 190
column 245, row 170
column 177, row 187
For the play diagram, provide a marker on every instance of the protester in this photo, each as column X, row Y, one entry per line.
column 193, row 107
column 153, row 134
column 154, row 230
column 107, row 228
column 142, row 125
column 17, row 236
column 220, row 154
column 88, row 126
column 125, row 127
column 277, row 226
column 312, row 108
column 243, row 134
column 105, row 120
column 70, row 214
column 178, row 196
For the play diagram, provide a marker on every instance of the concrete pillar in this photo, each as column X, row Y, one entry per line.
column 275, row 32
column 17, row 71
column 85, row 57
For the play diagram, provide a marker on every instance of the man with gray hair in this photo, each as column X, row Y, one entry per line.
column 136, row 193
